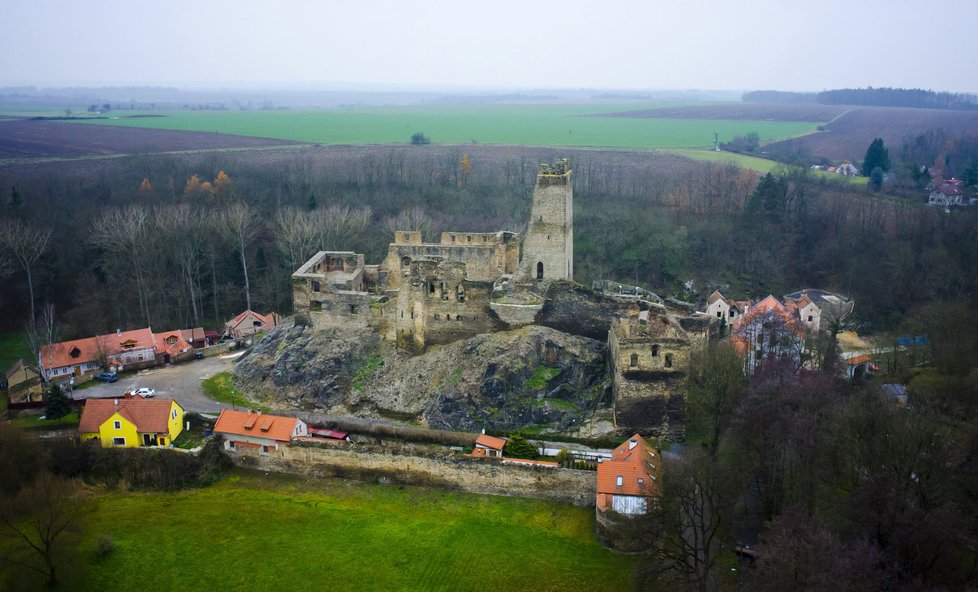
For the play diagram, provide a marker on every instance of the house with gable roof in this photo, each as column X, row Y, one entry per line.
column 245, row 430
column 131, row 422
column 950, row 193
column 725, row 310
column 628, row 483
column 768, row 330
column 819, row 310
column 250, row 322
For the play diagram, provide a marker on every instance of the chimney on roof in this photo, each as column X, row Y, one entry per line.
column 115, row 402
column 118, row 332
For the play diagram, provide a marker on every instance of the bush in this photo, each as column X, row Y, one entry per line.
column 518, row 447
column 104, row 546
column 419, row 139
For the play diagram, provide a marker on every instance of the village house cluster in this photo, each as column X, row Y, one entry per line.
column 78, row 360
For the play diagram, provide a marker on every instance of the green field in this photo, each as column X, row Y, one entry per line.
column 257, row 532
column 532, row 125
column 14, row 346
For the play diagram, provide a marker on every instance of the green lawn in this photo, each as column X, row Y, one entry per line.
column 35, row 421
column 257, row 532
column 220, row 387
column 13, row 346
column 537, row 125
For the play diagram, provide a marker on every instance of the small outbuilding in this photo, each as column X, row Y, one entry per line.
column 489, row 446
column 243, row 429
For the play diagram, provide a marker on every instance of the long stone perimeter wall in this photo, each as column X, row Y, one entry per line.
column 448, row 471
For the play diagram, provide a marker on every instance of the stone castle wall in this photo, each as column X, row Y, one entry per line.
column 452, row 471
column 550, row 237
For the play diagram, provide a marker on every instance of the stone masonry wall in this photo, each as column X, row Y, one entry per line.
column 549, row 238
column 450, row 471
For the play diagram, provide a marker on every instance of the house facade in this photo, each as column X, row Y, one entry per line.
column 819, row 310
column 246, row 430
column 122, row 350
column 131, row 422
column 950, row 193
column 628, row 483
column 489, row 446
column 249, row 322
column 24, row 384
column 768, row 330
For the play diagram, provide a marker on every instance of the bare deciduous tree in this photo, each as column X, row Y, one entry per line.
column 124, row 234
column 39, row 516
column 186, row 235
column 240, row 225
column 27, row 244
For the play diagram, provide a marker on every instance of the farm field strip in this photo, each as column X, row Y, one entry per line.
column 252, row 531
column 531, row 125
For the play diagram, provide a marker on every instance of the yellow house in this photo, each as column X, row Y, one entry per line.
column 131, row 422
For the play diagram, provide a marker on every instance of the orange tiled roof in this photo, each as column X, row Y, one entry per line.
column 716, row 295
column 148, row 415
column 491, row 442
column 178, row 346
column 631, row 462
column 192, row 335
column 68, row 353
column 265, row 319
column 258, row 425
column 857, row 360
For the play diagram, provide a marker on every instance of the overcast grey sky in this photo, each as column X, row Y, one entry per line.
column 651, row 44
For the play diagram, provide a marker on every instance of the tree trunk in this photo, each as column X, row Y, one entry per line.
column 244, row 268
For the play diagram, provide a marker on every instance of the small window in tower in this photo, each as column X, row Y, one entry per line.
column 633, row 362
column 540, row 270
column 470, row 238
column 405, row 261
column 668, row 360
column 655, row 351
column 453, row 238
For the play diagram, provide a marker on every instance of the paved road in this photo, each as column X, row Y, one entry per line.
column 176, row 381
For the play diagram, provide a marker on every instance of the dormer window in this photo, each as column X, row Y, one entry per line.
column 75, row 352
column 619, row 480
column 632, row 443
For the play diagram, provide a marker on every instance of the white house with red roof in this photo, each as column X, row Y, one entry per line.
column 250, row 322
column 951, row 193
column 119, row 350
column 489, row 446
column 246, row 430
column 725, row 309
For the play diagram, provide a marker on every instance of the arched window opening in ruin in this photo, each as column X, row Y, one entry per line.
column 437, row 317
column 444, row 294
column 540, row 270
column 668, row 360
column 405, row 261
column 431, row 287
column 655, row 350
column 460, row 293
column 634, row 361
column 458, row 317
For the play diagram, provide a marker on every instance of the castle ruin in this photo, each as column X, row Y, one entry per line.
column 468, row 283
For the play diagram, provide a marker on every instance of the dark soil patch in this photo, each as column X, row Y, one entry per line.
column 847, row 137
column 745, row 111
column 37, row 139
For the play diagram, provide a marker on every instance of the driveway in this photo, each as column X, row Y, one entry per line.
column 174, row 381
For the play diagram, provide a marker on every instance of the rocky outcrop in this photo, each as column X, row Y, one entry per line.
column 305, row 368
column 533, row 376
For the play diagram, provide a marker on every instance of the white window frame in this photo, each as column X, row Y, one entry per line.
column 119, row 441
column 117, row 424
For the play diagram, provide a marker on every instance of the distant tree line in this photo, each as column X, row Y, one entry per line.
column 875, row 97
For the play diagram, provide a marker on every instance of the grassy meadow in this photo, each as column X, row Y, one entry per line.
column 260, row 532
column 582, row 125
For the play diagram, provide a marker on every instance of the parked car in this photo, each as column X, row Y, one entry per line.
column 198, row 355
column 107, row 377
column 144, row 392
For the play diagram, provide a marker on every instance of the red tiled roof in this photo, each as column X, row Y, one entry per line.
column 716, row 295
column 491, row 442
column 178, row 346
column 273, row 427
column 857, row 360
column 635, row 459
column 268, row 319
column 68, row 353
column 136, row 339
column 148, row 415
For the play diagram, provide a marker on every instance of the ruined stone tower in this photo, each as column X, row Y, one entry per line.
column 548, row 248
